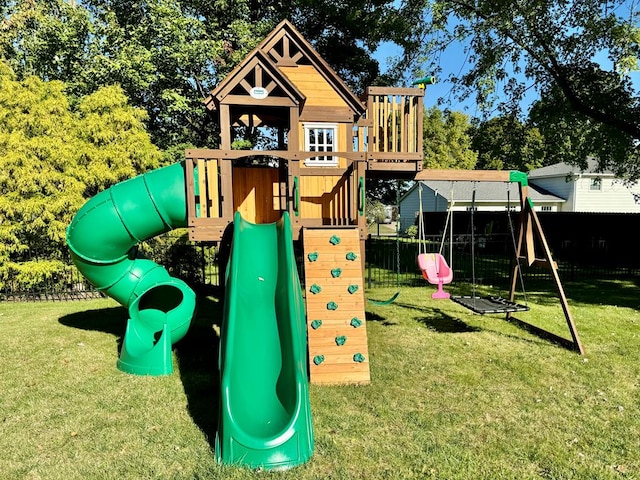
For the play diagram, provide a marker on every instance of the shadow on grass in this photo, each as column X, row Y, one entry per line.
column 437, row 319
column 623, row 293
column 107, row 320
column 442, row 322
column 196, row 353
column 544, row 334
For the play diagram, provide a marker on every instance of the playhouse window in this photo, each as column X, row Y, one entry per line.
column 321, row 137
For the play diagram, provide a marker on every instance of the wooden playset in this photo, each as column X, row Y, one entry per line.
column 321, row 143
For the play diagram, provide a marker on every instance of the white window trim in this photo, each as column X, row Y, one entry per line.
column 330, row 161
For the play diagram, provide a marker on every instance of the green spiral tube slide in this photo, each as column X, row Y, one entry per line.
column 265, row 415
column 102, row 238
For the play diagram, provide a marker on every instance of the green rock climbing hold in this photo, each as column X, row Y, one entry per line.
column 352, row 289
column 318, row 359
column 355, row 322
column 336, row 272
column 316, row 324
column 341, row 340
column 335, row 240
column 358, row 357
column 313, row 256
column 332, row 306
column 315, row 289
column 351, row 256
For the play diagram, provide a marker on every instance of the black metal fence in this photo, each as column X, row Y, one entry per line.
column 585, row 246
column 196, row 264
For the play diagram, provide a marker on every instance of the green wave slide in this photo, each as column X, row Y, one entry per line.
column 265, row 415
column 265, row 418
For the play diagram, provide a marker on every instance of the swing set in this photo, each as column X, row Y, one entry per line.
column 529, row 239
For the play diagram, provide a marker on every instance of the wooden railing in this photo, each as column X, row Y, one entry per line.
column 394, row 124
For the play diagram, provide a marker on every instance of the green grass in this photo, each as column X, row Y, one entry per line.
column 453, row 395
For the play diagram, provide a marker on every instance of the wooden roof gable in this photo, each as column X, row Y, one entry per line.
column 255, row 75
column 283, row 47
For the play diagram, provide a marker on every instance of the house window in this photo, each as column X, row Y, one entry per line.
column 546, row 208
column 596, row 184
column 321, row 137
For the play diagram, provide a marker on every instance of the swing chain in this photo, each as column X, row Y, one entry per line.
column 397, row 234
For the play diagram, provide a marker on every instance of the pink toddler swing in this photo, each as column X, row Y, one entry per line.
column 434, row 267
column 436, row 271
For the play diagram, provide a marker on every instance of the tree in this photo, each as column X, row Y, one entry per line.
column 55, row 155
column 506, row 143
column 168, row 54
column 447, row 143
column 580, row 52
column 573, row 137
column 376, row 212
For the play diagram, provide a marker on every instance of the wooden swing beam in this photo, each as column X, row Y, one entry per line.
column 529, row 230
column 471, row 175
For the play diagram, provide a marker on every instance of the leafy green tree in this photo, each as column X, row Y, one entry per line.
column 168, row 54
column 572, row 136
column 579, row 52
column 447, row 143
column 50, row 40
column 506, row 143
column 165, row 54
column 55, row 155
column 375, row 212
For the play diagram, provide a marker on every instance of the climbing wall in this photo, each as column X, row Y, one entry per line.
column 337, row 332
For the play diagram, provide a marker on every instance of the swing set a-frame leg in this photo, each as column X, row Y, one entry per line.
column 530, row 228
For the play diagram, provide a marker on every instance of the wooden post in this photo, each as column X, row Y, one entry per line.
column 226, row 189
column 294, row 196
column 556, row 278
column 225, row 127
column 418, row 124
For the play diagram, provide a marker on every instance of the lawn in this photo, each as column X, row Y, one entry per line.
column 454, row 395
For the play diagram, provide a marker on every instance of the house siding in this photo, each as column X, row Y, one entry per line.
column 613, row 197
column 410, row 206
column 559, row 187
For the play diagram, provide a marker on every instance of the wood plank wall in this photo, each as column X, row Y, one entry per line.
column 256, row 194
column 325, row 197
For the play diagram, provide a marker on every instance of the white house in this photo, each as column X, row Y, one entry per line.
column 438, row 196
column 588, row 190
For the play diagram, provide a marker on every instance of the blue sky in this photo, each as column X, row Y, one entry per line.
column 454, row 61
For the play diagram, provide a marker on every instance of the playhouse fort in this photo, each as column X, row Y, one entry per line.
column 326, row 143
